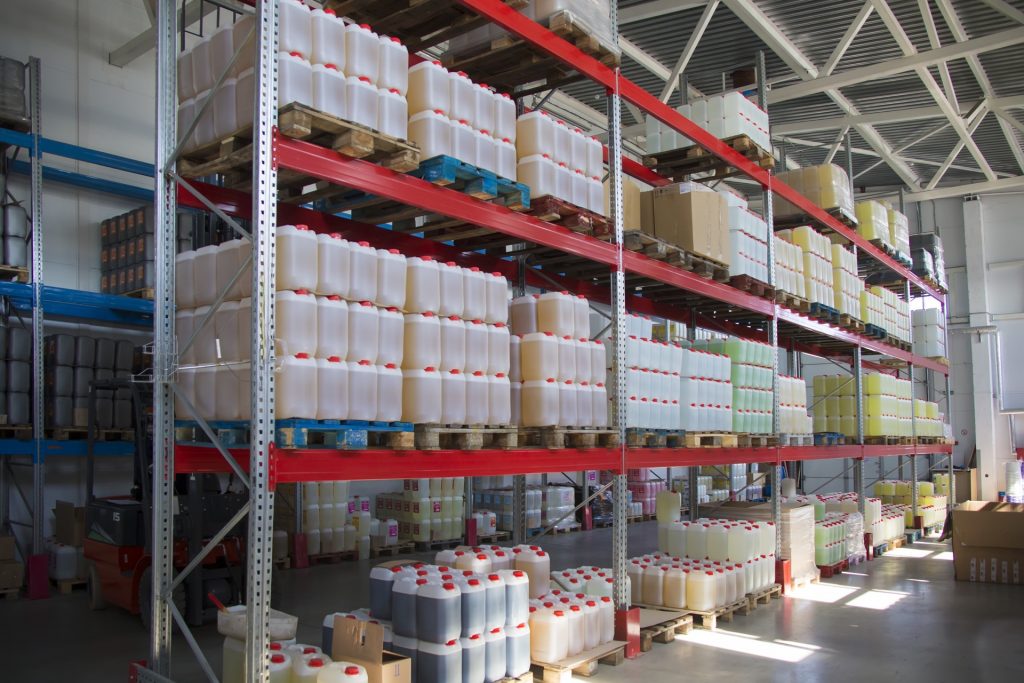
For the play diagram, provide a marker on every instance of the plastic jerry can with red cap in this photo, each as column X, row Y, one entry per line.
column 549, row 635
column 517, row 649
column 307, row 668
column 295, row 78
column 294, row 26
column 296, row 327
column 496, row 298
column 473, row 658
column 498, row 342
column 362, row 390
column 331, row 326
column 431, row 131
column 483, row 108
column 505, row 158
column 567, row 404
column 363, row 331
column 362, row 52
column 523, row 314
column 494, row 654
column 439, row 662
column 584, row 404
column 495, row 599
column 382, row 582
column 403, row 604
column 296, row 387
column 391, row 278
column 363, row 272
column 429, row 90
column 389, row 393
column 332, row 388
column 473, row 604
column 361, row 101
column 555, row 313
column 421, row 395
column 477, row 388
column 422, row 285
column 392, row 113
column 280, row 667
column 539, row 400
column 329, row 90
column 563, row 181
column 504, row 118
column 463, row 141
column 474, row 294
column 333, row 259
column 327, row 33
column 476, row 346
column 453, row 397
column 462, row 97
column 478, row 563
column 535, row 134
column 538, row 172
column 453, row 343
column 394, row 65
column 595, row 195
column 537, row 566
column 566, row 358
column 422, row 341
column 296, row 254
column 342, row 672
column 499, row 399
column 438, row 612
column 486, row 154
column 391, row 336
column 517, row 595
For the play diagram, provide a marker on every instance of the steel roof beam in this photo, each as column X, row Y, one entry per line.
column 987, row 186
column 671, row 81
column 1005, row 9
column 975, row 120
column 655, row 9
column 934, row 42
column 851, row 33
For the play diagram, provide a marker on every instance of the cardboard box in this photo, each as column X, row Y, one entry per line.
column 362, row 642
column 12, row 574
column 966, row 482
column 69, row 527
column 988, row 542
column 691, row 219
column 7, row 548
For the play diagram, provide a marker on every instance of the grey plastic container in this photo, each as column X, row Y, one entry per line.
column 80, row 411
column 105, row 413
column 19, row 343
column 59, row 412
column 15, row 221
column 124, row 392
column 106, row 350
column 124, row 354
column 18, row 404
column 19, row 376
column 60, row 349
column 60, row 380
column 85, row 352
column 83, row 376
column 122, row 414
column 103, row 375
column 3, row 344
column 3, row 375
column 15, row 251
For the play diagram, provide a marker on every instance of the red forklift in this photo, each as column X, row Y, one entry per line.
column 118, row 543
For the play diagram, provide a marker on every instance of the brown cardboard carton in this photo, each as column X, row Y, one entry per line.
column 694, row 220
column 69, row 527
column 631, row 201
column 12, row 574
column 988, row 542
column 362, row 643
column 7, row 548
column 966, row 484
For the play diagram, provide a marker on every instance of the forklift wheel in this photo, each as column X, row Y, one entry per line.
column 95, row 589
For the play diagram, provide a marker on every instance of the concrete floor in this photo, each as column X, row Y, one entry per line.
column 901, row 616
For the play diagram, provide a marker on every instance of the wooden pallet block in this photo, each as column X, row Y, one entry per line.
column 147, row 293
column 14, row 273
column 796, row 439
column 764, row 596
column 661, row 625
column 709, row 619
column 403, row 548
column 686, row 161
column 10, row 593
column 333, row 558
column 464, row 438
column 343, row 434
column 710, row 440
column 753, row 286
column 569, row 216
column 66, row 586
column 583, row 664
column 850, row 323
column 474, row 181
column 644, row 438
column 757, row 440
column 557, row 438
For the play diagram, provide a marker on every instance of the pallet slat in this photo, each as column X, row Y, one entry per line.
column 686, row 161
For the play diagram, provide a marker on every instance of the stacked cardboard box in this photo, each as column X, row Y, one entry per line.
column 690, row 217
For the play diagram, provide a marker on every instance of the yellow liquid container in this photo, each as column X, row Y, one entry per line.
column 873, row 384
column 872, row 221
column 874, row 425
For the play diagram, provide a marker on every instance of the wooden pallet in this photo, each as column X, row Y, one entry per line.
column 792, row 301
column 848, row 322
column 477, row 182
column 654, row 248
column 334, row 558
column 14, row 273
column 661, row 625
column 493, row 539
column 507, row 61
column 569, row 216
column 428, row 546
column 796, row 220
column 582, row 664
column 82, row 433
column 232, row 156
column 764, row 596
column 939, row 359
column 334, row 434
column 824, row 313
column 683, row 162
column 753, row 286
column 828, row 571
column 757, row 440
column 709, row 619
column 807, row 579
column 566, row 529
column 21, row 432
column 66, row 586
column 796, row 439
column 284, row 563
column 564, row 437
column 147, row 293
column 401, row 548
column 884, row 440
column 525, row 678
column 465, row 438
column 710, row 440
column 829, row 439
column 875, row 332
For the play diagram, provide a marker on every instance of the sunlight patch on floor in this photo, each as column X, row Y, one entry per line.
column 734, row 642
column 914, row 553
column 948, row 556
column 877, row 599
column 822, row 592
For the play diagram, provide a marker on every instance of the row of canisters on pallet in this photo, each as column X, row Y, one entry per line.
column 724, row 116
column 888, row 409
column 883, row 521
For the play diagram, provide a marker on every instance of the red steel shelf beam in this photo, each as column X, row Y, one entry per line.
column 545, row 40
column 317, row 464
column 326, row 164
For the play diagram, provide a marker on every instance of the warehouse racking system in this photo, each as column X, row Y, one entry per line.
column 617, row 275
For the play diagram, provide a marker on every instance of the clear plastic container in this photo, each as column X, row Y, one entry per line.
column 333, row 257
column 567, row 404
column 566, row 359
column 422, row 285
column 327, row 31
column 555, row 313
column 477, row 398
column 599, row 412
column 392, row 113
column 549, row 635
column 584, row 404
column 296, row 252
column 595, row 161
column 186, row 86
column 362, row 52
column 540, row 403
column 295, row 79
column 535, row 134
column 538, row 172
column 474, row 294
column 294, row 28
column 563, row 181
column 204, row 276
column 363, row 332
column 451, row 289
column 295, row 387
column 296, row 323
column 523, row 314
column 539, row 356
column 595, row 195
column 429, row 89
column 462, row 98
column 202, row 76
column 244, row 101
column 230, row 256
column 361, row 100
column 204, row 128
column 363, row 273
column 463, row 141
column 362, row 390
column 391, row 336
column 563, row 143
column 578, row 155
column 453, row 397
column 421, row 396
column 329, row 90
column 496, row 298
column 186, row 113
column 391, row 278
column 476, row 346
column 422, row 341
column 242, row 42
column 389, row 393
column 486, row 154
column 332, row 388
column 453, row 343
column 394, row 65
column 499, row 402
column 498, row 349
column 505, row 158
column 431, row 131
